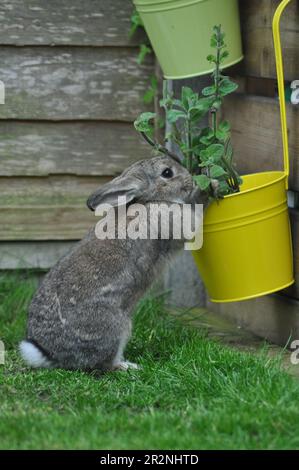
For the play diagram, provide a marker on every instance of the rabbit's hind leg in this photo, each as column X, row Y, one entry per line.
column 125, row 365
column 119, row 363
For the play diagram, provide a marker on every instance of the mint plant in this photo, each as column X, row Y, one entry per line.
column 206, row 152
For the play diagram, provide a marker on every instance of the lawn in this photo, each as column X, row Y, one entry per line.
column 191, row 393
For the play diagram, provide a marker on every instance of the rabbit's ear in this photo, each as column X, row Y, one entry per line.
column 124, row 187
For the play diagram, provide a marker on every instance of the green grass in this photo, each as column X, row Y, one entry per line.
column 192, row 392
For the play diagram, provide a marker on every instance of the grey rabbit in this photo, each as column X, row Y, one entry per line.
column 81, row 315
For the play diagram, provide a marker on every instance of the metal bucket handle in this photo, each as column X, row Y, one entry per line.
column 281, row 92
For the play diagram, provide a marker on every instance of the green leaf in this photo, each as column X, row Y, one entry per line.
column 136, row 22
column 166, row 103
column 224, row 126
column 220, row 35
column 196, row 150
column 211, row 58
column 214, row 151
column 150, row 93
column 202, row 181
column 146, row 116
column 201, row 105
column 223, row 189
column 216, row 171
column 217, row 103
column 154, row 82
column 144, row 122
column 178, row 104
column 217, row 39
column 206, row 136
column 224, row 55
column 227, row 86
column 214, row 41
column 196, row 115
column 209, row 90
column 144, row 50
column 207, row 164
column 229, row 151
column 223, row 131
column 199, row 110
column 204, row 156
column 222, row 136
column 174, row 114
column 149, row 96
column 206, row 102
column 207, row 140
column 187, row 96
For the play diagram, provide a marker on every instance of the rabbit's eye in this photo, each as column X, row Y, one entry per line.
column 167, row 173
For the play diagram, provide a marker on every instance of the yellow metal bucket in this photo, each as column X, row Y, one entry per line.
column 247, row 246
column 247, row 249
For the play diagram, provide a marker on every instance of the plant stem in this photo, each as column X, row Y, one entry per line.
column 189, row 151
column 216, row 82
column 160, row 147
column 232, row 179
column 214, row 121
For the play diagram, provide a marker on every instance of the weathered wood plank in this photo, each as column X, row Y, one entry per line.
column 32, row 255
column 81, row 148
column 256, row 135
column 45, row 222
column 266, row 87
column 256, row 22
column 50, row 208
column 73, row 83
column 71, row 22
column 53, row 190
column 273, row 317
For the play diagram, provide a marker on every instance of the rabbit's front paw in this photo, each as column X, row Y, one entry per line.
column 125, row 365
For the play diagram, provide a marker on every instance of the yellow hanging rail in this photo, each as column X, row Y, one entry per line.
column 281, row 90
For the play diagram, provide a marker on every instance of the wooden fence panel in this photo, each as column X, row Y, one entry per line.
column 50, row 208
column 67, row 22
column 73, row 83
column 256, row 22
column 82, row 148
column 67, row 123
column 256, row 135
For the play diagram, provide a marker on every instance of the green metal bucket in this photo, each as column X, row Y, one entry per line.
column 180, row 32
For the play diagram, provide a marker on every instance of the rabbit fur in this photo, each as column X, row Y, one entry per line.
column 81, row 315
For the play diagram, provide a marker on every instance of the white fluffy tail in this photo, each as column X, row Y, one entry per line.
column 32, row 355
